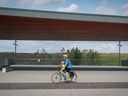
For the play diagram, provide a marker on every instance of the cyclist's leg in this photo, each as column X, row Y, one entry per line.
column 71, row 75
column 63, row 73
column 68, row 72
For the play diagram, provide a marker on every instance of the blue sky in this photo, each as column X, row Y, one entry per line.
column 106, row 7
column 110, row 7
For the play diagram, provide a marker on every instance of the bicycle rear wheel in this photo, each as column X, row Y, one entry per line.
column 56, row 77
column 73, row 77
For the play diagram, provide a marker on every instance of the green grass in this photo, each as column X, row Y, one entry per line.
column 112, row 59
column 104, row 59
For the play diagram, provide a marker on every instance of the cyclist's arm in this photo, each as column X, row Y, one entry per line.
column 63, row 67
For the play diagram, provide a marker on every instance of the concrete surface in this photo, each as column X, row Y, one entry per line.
column 84, row 68
column 66, row 92
column 45, row 76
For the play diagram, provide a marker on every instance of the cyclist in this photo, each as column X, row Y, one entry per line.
column 67, row 63
column 63, row 69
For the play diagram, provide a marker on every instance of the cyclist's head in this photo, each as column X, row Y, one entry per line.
column 65, row 56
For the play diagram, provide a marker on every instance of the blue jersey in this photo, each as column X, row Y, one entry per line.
column 68, row 62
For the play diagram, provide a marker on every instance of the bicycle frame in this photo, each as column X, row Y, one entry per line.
column 63, row 75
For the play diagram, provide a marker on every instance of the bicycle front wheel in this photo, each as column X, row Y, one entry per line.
column 56, row 77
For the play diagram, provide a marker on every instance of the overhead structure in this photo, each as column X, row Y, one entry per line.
column 23, row 24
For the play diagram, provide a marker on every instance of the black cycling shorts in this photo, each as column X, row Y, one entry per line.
column 68, row 69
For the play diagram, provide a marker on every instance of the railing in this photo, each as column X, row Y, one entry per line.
column 37, row 61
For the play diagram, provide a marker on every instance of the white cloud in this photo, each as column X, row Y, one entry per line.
column 71, row 8
column 56, row 46
column 6, row 46
column 109, row 48
column 40, row 2
column 125, row 9
column 4, row 2
column 47, row 1
column 25, row 1
column 74, row 44
column 104, row 8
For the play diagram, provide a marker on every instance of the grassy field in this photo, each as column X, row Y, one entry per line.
column 104, row 59
column 112, row 59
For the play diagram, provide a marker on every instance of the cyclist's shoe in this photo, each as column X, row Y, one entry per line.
column 72, row 74
column 64, row 78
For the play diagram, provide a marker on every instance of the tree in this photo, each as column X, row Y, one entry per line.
column 37, row 51
column 93, row 57
column 75, row 55
column 43, row 50
column 63, row 50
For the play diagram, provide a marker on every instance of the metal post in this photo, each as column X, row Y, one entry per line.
column 15, row 44
column 119, row 52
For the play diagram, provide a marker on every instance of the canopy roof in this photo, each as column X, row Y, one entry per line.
column 22, row 24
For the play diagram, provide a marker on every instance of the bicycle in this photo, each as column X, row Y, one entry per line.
column 58, row 76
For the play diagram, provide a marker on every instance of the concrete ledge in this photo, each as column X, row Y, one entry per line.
column 84, row 68
column 63, row 85
column 6, row 68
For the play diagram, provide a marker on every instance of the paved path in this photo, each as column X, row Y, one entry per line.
column 66, row 92
column 63, row 85
column 45, row 76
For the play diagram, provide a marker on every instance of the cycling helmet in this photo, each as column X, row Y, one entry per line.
column 65, row 55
